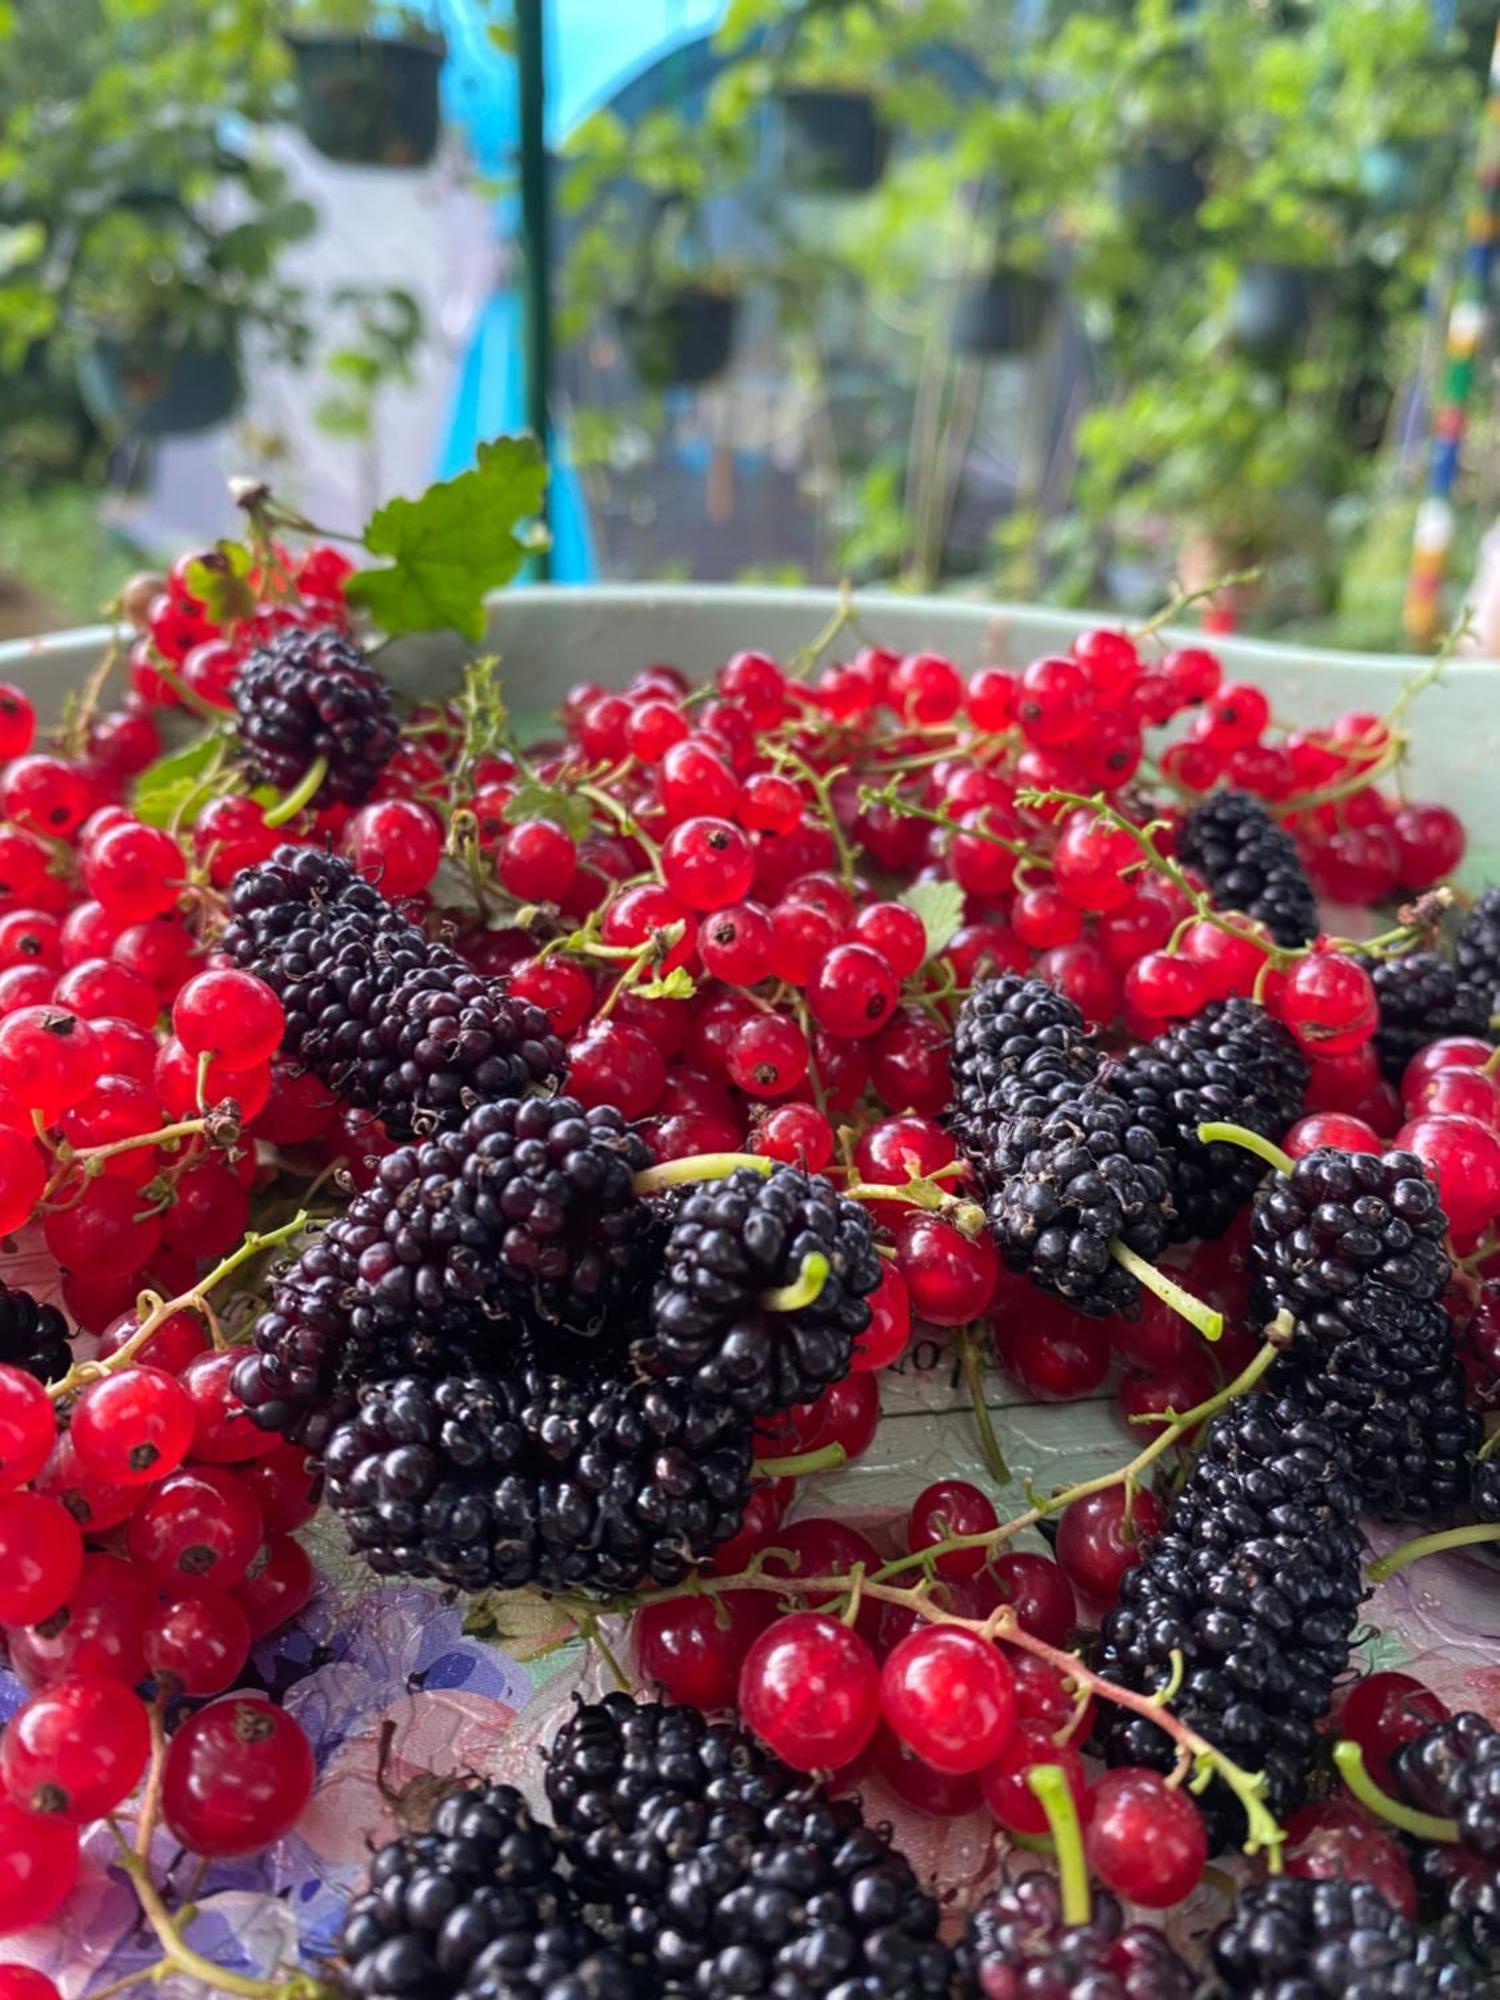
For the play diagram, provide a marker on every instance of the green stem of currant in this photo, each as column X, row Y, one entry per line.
column 971, row 1360
column 697, row 1167
column 1253, row 1142
column 805, row 1289
column 887, row 795
column 1208, row 1321
column 1350, row 1760
column 302, row 793
column 1433, row 1545
column 1184, row 600
column 1050, row 1785
column 820, row 783
column 801, row 1464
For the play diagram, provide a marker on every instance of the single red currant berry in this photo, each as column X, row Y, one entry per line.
column 26, row 986
column 49, row 1059
column 693, row 778
column 1110, row 662
column 849, row 1413
column 1448, row 1052
column 1383, row 1712
column 285, row 1485
column 223, row 1433
column 797, row 1133
column 199, row 1527
column 38, row 1866
column 231, row 1016
column 198, row 1643
column 613, row 1063
column 757, row 685
column 1090, row 862
column 1164, row 987
column 895, row 933
column 44, row 794
column 99, row 989
column 1082, row 974
column 135, row 871
column 693, row 1648
column 1235, row 715
column 823, row 1547
column 810, row 1689
column 170, row 1347
column 1462, row 1093
column 1043, row 916
column 132, row 1428
column 28, row 1428
column 1430, row 843
column 737, row 943
column 237, row 1776
column 950, row 1697
column 1329, row 1004
column 41, row 1557
column 1463, row 1158
column 22, row 1179
column 1194, row 673
column 769, row 1056
column 1097, row 1542
column 97, row 1631
column 17, row 722
column 769, row 804
column 708, row 863
column 1037, row 1592
column 1053, row 705
column 925, row 689
column 992, row 698
column 1144, row 1840
column 852, row 991
column 537, row 861
column 1004, row 1782
column 76, row 1749
column 20, row 1982
column 951, row 1276
column 1333, row 1128
column 884, row 1339
column 948, row 1508
column 278, row 1584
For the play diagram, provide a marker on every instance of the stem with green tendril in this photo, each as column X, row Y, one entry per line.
column 1208, row 1321
column 302, row 793
column 1350, row 1760
column 1433, row 1545
column 1252, row 1142
column 1049, row 1784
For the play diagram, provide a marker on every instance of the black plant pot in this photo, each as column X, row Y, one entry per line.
column 1268, row 309
column 1161, row 184
column 160, row 389
column 1005, row 313
column 836, row 141
column 684, row 339
column 368, row 102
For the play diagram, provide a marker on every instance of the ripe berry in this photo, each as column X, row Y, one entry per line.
column 613, row 1063
column 231, row 1016
column 98, row 1630
column 278, row 1584
column 135, row 871
column 44, row 794
column 170, row 1347
column 285, row 1486
column 17, row 722
column 947, row 1508
column 852, row 991
column 1165, row 987
column 769, row 804
column 849, row 1413
column 20, row 1982
column 1052, row 706
column 28, row 1427
column 1145, row 1840
column 49, row 1059
column 810, row 1689
column 1329, row 1004
column 708, row 863
column 38, row 1867
column 105, row 1230
column 537, row 861
column 1331, row 1128
column 1096, row 1544
column 1037, row 1591
column 197, row 1644
column 237, row 1776
column 737, row 943
column 895, row 933
column 951, row 1276
column 1055, row 1355
column 950, row 1697
column 76, row 1749
column 1463, row 1158
column 1003, row 1783
column 1384, row 1711
column 769, row 1056
column 884, row 1339
column 200, row 1527
column 693, row 1648
column 1090, row 863
column 991, row 700
column 133, row 1427
column 693, row 778
column 41, row 1556
column 797, row 1133
column 1430, row 843
column 1235, row 715
column 22, row 1179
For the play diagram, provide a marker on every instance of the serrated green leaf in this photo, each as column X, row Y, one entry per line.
column 940, row 905
column 678, row 985
column 220, row 582
column 570, row 812
column 165, row 787
column 460, row 540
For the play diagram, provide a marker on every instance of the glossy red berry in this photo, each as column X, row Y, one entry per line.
column 197, row 1643
column 951, row 1276
column 810, row 1689
column 1384, row 1711
column 28, row 1428
column 1329, row 1004
column 797, row 1133
column 200, row 1528
column 537, row 861
column 135, row 871
column 1037, row 1591
column 278, row 1585
column 49, row 1059
column 884, row 1339
column 76, row 1749
column 133, row 1427
column 852, row 991
column 950, row 1697
column 949, row 1508
column 38, row 1866
column 1004, row 1786
column 1097, row 1543
column 1145, row 1840
column 769, row 1056
column 231, row 1016
column 41, row 1557
column 97, row 1630
column 693, row 1648
column 237, row 1776
column 1463, row 1158
column 1052, row 704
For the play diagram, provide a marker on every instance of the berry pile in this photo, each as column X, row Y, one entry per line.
column 648, row 1085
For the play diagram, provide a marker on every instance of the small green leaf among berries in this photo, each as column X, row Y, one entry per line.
column 940, row 905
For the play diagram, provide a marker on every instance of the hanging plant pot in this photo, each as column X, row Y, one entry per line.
column 1161, row 183
column 836, row 140
column 1268, row 309
column 684, row 338
column 368, row 102
column 1005, row 313
column 160, row 389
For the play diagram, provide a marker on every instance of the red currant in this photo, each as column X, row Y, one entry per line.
column 237, row 1776
column 1096, row 1543
column 1003, row 1783
column 947, row 1508
column 1037, row 1591
column 1144, row 1840
column 41, row 1557
column 77, row 1749
column 28, row 1428
column 133, row 1427
column 951, row 1276
column 200, row 1527
column 950, row 1696
column 38, row 1866
column 810, row 1689
column 197, row 1644
column 278, row 1584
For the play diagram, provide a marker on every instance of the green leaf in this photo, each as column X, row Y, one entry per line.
column 530, row 801
column 457, row 542
column 678, row 985
column 220, row 582
column 940, row 905
column 165, row 787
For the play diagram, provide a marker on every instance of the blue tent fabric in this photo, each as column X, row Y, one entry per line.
column 593, row 48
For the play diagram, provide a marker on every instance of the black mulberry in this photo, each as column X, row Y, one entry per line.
column 1290, row 1939
column 1421, row 997
column 310, row 694
column 1250, row 864
column 1017, row 1944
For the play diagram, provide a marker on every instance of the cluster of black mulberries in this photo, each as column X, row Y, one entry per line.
column 1250, row 864
column 1477, row 948
column 33, row 1337
column 524, row 1478
column 1017, row 1944
column 1422, row 996
column 391, row 1020
column 1255, row 1581
column 732, row 1242
column 1352, row 1246
column 1290, row 1939
column 726, row 1875
column 309, row 694
column 476, row 1908
column 1232, row 1065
